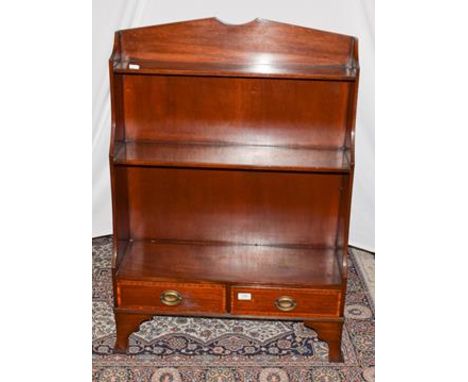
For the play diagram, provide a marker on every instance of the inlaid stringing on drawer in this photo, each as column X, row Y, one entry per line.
column 171, row 296
column 278, row 301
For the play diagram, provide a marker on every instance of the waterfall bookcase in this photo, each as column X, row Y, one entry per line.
column 231, row 160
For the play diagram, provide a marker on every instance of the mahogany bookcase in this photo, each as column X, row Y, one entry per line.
column 231, row 160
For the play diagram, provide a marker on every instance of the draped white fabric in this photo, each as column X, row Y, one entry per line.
column 341, row 16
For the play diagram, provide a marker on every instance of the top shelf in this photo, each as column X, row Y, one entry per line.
column 261, row 70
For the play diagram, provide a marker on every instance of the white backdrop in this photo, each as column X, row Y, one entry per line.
column 342, row 16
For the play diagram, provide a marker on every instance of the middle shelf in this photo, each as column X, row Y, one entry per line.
column 232, row 156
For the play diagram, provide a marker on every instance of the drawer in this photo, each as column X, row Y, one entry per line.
column 171, row 297
column 288, row 302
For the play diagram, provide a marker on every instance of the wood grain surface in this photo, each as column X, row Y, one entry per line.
column 231, row 163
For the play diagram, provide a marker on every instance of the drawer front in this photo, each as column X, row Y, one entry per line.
column 171, row 297
column 288, row 302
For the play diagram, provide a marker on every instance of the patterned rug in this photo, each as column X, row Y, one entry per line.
column 176, row 349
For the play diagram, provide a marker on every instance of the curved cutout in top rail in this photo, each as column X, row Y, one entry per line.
column 232, row 24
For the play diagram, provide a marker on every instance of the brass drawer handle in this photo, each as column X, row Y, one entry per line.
column 285, row 303
column 171, row 298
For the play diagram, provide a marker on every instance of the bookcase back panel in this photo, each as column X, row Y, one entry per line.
column 256, row 42
column 249, row 207
column 235, row 110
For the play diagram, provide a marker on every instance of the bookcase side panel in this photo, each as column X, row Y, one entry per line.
column 120, row 209
column 120, row 229
column 343, row 225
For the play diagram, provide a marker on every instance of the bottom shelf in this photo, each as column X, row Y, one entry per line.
column 239, row 264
